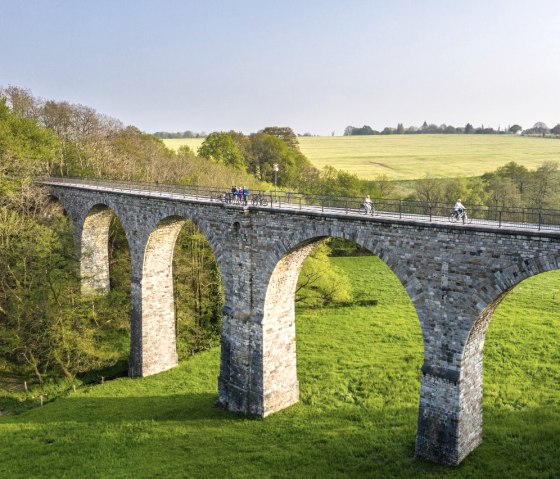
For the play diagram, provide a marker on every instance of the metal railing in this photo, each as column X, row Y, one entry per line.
column 498, row 217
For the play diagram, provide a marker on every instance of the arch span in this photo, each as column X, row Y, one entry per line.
column 153, row 333
column 153, row 302
column 473, row 351
column 275, row 335
column 94, row 252
column 280, row 383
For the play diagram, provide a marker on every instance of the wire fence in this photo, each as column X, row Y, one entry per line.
column 499, row 217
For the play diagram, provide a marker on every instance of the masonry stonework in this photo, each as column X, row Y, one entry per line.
column 455, row 276
column 94, row 251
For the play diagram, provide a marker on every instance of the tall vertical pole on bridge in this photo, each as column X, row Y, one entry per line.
column 275, row 168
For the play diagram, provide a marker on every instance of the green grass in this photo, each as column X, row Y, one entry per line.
column 407, row 157
column 359, row 371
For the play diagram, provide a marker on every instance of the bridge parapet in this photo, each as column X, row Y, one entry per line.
column 494, row 217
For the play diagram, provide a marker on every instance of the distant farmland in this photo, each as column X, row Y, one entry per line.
column 406, row 157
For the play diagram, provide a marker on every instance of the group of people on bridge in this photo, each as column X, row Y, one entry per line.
column 238, row 195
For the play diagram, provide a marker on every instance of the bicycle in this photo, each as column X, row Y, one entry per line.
column 226, row 198
column 368, row 209
column 460, row 215
column 259, row 200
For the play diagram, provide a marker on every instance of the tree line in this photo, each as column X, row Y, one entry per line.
column 509, row 186
column 164, row 135
column 538, row 129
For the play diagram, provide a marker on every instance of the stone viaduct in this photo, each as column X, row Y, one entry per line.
column 455, row 276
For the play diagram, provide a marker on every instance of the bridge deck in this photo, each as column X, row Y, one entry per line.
column 289, row 203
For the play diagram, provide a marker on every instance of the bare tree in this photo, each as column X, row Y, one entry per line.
column 429, row 190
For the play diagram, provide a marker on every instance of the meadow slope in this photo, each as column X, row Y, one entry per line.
column 407, row 157
column 359, row 372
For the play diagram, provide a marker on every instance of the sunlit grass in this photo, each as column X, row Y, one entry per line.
column 359, row 372
column 406, row 157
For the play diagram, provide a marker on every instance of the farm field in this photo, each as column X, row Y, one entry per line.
column 407, row 157
column 359, row 373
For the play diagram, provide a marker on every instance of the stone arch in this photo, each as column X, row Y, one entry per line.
column 280, row 384
column 157, row 322
column 504, row 281
column 153, row 323
column 489, row 299
column 94, row 249
column 467, row 382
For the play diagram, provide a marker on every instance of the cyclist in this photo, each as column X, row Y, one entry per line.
column 367, row 205
column 458, row 209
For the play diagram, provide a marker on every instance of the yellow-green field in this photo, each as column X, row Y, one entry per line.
column 406, row 157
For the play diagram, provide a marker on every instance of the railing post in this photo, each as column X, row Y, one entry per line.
column 500, row 219
column 400, row 209
column 430, row 210
column 540, row 220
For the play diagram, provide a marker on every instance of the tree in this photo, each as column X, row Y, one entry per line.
column 515, row 129
column 185, row 151
column 400, row 129
column 455, row 188
column 383, row 187
column 333, row 182
column 469, row 129
column 267, row 150
column 539, row 128
column 21, row 102
column 543, row 185
column 502, row 192
column 220, row 147
column 517, row 173
column 429, row 190
column 364, row 130
column 285, row 133
column 320, row 283
column 556, row 129
column 26, row 149
column 348, row 130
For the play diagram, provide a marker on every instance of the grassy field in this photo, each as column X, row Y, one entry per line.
column 359, row 371
column 406, row 157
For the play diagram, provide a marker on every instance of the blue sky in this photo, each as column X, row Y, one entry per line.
column 316, row 66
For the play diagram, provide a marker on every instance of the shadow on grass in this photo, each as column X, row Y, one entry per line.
column 177, row 407
column 184, row 435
